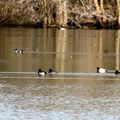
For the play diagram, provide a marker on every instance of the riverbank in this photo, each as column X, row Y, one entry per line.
column 67, row 13
column 83, row 26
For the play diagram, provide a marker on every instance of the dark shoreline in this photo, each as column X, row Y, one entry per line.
column 83, row 26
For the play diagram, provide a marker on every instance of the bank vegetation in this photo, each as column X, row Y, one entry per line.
column 56, row 13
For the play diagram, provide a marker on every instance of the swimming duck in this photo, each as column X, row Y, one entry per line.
column 117, row 72
column 41, row 73
column 51, row 71
column 61, row 28
column 101, row 70
column 18, row 50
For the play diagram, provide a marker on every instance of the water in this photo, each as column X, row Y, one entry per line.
column 76, row 92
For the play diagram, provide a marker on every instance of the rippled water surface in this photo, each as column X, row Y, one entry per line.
column 76, row 92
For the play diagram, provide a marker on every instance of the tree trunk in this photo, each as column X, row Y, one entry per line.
column 45, row 9
column 97, row 6
column 100, row 10
column 61, row 18
column 101, row 6
column 118, row 4
column 65, row 14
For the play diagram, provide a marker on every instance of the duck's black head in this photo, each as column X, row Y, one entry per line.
column 39, row 70
column 117, row 72
column 98, row 69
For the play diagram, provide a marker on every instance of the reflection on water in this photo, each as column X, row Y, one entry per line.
column 76, row 92
column 69, row 50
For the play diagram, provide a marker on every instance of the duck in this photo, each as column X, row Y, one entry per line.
column 61, row 28
column 51, row 71
column 18, row 51
column 101, row 70
column 41, row 73
column 117, row 72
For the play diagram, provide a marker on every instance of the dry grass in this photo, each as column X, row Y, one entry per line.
column 31, row 12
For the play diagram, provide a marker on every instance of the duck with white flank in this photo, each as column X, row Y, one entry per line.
column 18, row 51
column 41, row 73
column 51, row 72
column 101, row 70
column 61, row 28
column 117, row 72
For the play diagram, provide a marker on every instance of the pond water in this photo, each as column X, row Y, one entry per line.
column 76, row 92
